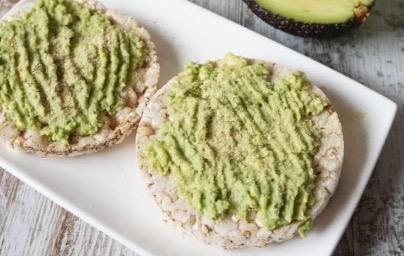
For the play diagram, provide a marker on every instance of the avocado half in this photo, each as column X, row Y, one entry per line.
column 312, row 18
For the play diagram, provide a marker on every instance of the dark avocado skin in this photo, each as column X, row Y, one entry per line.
column 300, row 28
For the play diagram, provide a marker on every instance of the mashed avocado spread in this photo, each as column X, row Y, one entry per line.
column 238, row 144
column 62, row 66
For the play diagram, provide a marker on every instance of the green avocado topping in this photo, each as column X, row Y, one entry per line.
column 64, row 66
column 239, row 144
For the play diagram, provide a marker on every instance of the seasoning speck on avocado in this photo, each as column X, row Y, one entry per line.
column 63, row 67
column 238, row 144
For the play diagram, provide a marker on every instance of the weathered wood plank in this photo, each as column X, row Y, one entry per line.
column 374, row 55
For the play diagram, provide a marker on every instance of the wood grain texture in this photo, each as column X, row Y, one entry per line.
column 374, row 55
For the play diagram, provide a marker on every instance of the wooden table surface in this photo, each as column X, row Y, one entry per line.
column 30, row 224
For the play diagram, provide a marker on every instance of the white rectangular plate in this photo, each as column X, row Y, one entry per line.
column 107, row 191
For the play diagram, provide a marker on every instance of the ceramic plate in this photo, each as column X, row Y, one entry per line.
column 107, row 190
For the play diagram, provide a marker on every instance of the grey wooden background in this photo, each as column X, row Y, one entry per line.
column 30, row 224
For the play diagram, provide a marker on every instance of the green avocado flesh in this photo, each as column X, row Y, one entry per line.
column 238, row 144
column 314, row 11
column 63, row 66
